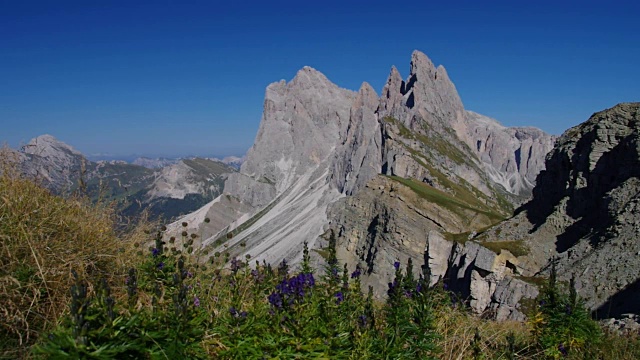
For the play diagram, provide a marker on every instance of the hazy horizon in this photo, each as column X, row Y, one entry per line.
column 169, row 79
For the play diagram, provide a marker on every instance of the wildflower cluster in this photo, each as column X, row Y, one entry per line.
column 97, row 328
column 291, row 290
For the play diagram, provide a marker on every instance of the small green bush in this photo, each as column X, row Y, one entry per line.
column 171, row 327
column 562, row 325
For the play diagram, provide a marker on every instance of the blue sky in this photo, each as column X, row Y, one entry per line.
column 185, row 77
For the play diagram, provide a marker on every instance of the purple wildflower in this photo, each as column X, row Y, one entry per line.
column 563, row 350
column 309, row 280
column 233, row 311
column 396, row 265
column 290, row 290
column 356, row 274
column 392, row 285
column 161, row 266
column 155, row 252
column 243, row 315
column 339, row 297
column 196, row 302
column 362, row 320
column 235, row 264
column 275, row 299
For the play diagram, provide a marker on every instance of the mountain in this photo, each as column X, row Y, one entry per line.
column 584, row 213
column 54, row 163
column 233, row 161
column 153, row 163
column 379, row 172
column 180, row 188
column 167, row 192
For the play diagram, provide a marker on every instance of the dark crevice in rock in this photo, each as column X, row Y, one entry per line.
column 512, row 267
column 372, row 233
column 517, row 155
column 411, row 101
column 624, row 302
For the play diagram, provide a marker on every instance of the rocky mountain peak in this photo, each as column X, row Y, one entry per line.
column 51, row 161
column 367, row 91
column 319, row 144
column 392, row 101
column 585, row 209
column 431, row 89
column 48, row 146
column 427, row 93
column 421, row 65
column 512, row 157
column 301, row 124
column 308, row 77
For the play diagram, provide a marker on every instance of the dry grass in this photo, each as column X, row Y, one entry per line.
column 42, row 238
column 458, row 330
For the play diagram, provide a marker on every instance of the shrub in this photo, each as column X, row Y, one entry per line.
column 172, row 326
column 562, row 324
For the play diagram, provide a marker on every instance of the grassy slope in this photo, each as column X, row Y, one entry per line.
column 42, row 239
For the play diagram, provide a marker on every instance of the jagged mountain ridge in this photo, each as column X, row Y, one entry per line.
column 318, row 143
column 166, row 192
column 584, row 212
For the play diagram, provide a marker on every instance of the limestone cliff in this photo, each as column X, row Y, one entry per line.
column 584, row 212
column 358, row 164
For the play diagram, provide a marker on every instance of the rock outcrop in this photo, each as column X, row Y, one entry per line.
column 584, row 212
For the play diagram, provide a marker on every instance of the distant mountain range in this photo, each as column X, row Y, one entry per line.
column 165, row 188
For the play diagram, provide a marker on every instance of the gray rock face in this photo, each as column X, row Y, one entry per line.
column 357, row 159
column 595, row 179
column 387, row 221
column 512, row 157
column 287, row 180
column 54, row 163
column 302, row 124
column 189, row 176
column 428, row 104
column 585, row 210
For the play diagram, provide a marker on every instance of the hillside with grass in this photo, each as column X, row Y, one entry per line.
column 72, row 287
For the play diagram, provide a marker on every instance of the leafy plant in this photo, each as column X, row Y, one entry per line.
column 561, row 324
column 172, row 327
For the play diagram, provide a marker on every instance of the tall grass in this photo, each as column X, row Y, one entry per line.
column 42, row 238
column 74, row 287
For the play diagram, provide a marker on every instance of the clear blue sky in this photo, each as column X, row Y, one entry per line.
column 184, row 77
